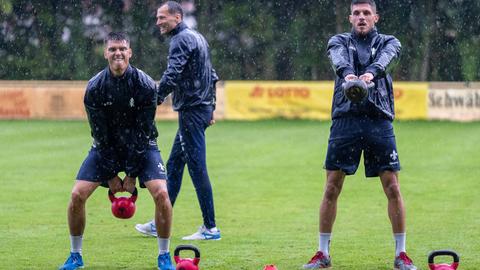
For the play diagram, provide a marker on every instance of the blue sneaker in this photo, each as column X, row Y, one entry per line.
column 73, row 262
column 164, row 262
column 204, row 234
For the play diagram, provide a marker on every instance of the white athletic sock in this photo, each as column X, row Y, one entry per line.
column 163, row 245
column 400, row 239
column 324, row 243
column 76, row 243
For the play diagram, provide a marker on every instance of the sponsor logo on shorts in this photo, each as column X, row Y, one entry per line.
column 152, row 143
column 394, row 155
column 162, row 168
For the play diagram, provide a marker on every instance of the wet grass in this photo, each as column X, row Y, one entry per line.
column 268, row 182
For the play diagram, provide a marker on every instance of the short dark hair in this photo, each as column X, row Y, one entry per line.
column 117, row 36
column 370, row 2
column 173, row 8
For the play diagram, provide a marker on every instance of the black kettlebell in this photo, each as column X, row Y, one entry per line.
column 356, row 90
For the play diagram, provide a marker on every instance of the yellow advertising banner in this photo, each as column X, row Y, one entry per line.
column 271, row 99
column 308, row 100
column 247, row 100
column 411, row 100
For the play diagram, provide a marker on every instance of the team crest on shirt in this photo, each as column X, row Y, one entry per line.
column 132, row 102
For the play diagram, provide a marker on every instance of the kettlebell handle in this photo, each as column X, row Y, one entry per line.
column 187, row 247
column 132, row 198
column 433, row 254
column 371, row 84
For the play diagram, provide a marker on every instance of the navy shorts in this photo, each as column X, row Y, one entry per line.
column 350, row 136
column 91, row 171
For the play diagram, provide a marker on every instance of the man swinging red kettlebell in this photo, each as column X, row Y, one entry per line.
column 123, row 207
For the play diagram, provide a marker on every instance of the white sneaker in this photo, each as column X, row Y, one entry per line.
column 204, row 234
column 148, row 228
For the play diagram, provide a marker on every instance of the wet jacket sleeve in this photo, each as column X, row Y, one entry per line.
column 338, row 54
column 178, row 55
column 385, row 57
column 98, row 120
column 145, row 123
column 214, row 86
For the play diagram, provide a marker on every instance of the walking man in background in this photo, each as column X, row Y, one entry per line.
column 120, row 102
column 362, row 126
column 191, row 78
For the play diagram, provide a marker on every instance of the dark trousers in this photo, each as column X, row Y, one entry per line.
column 189, row 148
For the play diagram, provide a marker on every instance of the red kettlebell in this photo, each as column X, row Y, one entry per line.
column 123, row 207
column 186, row 263
column 443, row 266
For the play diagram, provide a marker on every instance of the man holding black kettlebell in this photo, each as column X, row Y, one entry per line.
column 362, row 115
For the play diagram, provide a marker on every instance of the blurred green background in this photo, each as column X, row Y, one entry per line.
column 249, row 39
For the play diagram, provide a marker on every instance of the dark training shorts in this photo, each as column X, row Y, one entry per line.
column 92, row 171
column 350, row 136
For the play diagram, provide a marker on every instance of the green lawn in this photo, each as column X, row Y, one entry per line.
column 268, row 181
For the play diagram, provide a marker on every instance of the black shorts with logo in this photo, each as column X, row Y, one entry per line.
column 91, row 170
column 350, row 136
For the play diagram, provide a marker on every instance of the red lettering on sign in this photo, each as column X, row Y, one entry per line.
column 280, row 92
column 20, row 112
column 257, row 91
column 13, row 104
column 295, row 92
column 397, row 93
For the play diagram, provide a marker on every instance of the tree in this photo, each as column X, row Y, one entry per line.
column 252, row 40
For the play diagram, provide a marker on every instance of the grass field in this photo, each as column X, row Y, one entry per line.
column 268, row 182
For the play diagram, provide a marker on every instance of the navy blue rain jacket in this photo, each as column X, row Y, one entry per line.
column 121, row 113
column 377, row 55
column 189, row 73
